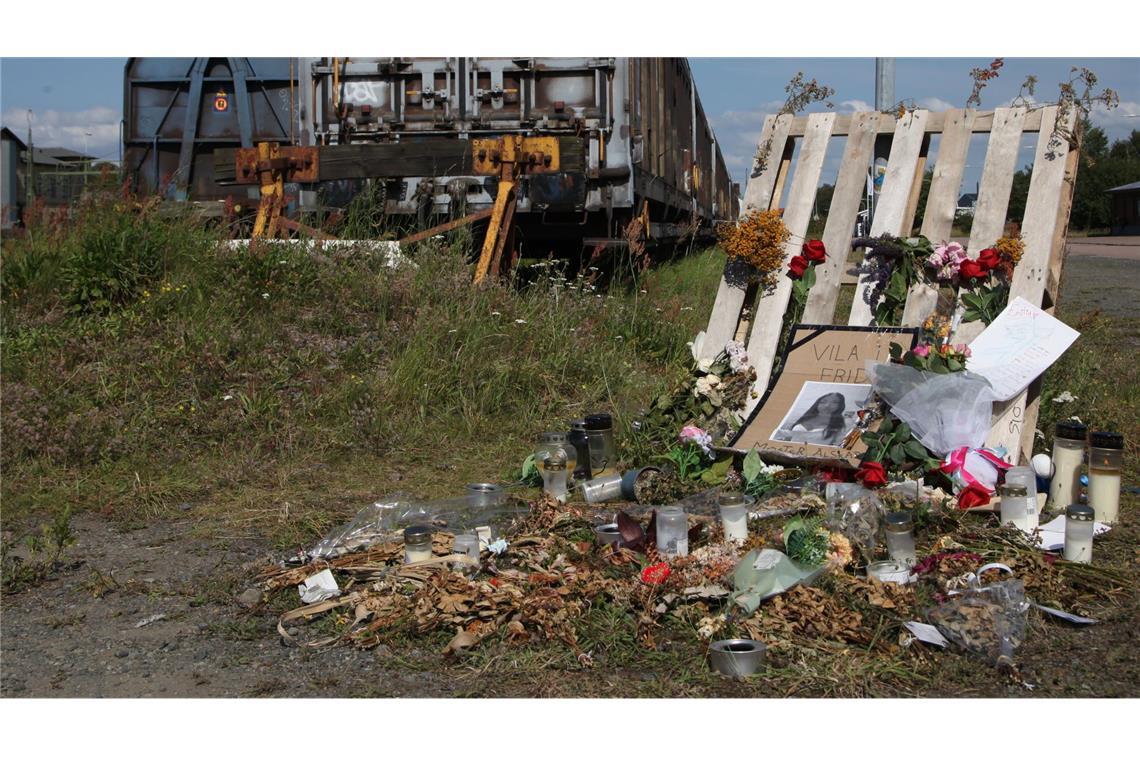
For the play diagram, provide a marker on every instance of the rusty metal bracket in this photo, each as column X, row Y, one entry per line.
column 532, row 155
column 298, row 163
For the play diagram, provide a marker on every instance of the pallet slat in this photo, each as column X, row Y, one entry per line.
column 1043, row 234
column 770, row 307
column 936, row 123
column 894, row 199
column 941, row 204
column 757, row 195
column 850, row 186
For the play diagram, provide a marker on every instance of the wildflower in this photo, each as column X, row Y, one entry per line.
column 520, row 321
column 1064, row 398
column 495, row 314
column 655, row 574
column 265, row 295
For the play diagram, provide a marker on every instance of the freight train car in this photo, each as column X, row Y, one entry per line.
column 628, row 136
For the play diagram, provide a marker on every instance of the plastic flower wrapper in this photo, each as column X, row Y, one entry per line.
column 988, row 621
column 371, row 525
column 498, row 547
column 856, row 513
column 944, row 411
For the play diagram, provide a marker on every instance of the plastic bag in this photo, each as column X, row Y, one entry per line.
column 371, row 525
column 857, row 513
column 945, row 412
column 763, row 573
column 988, row 621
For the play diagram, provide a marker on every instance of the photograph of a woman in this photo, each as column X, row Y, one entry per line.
column 823, row 414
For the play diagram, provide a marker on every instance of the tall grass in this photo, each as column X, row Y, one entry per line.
column 248, row 377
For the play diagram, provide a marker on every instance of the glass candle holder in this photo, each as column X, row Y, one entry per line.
column 1106, row 452
column 417, row 543
column 606, row 488
column 608, row 534
column 466, row 543
column 734, row 515
column 581, row 443
column 600, row 440
column 557, row 446
column 554, row 476
column 899, row 531
column 1069, row 442
column 1024, row 476
column 672, row 532
column 484, row 494
column 1014, row 505
column 1079, row 524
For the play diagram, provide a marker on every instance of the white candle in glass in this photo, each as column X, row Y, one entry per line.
column 1069, row 442
column 1079, row 525
column 1106, row 451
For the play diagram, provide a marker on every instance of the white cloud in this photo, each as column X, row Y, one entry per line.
column 851, row 106
column 934, row 104
column 68, row 129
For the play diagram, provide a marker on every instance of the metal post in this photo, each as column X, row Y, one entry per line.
column 31, row 172
column 884, row 101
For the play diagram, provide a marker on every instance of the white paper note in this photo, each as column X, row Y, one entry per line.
column 1018, row 346
column 1052, row 538
column 1065, row 615
column 927, row 633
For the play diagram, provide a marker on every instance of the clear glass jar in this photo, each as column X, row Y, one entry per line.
column 1106, row 452
column 1014, row 505
column 466, row 543
column 600, row 439
column 581, row 443
column 605, row 488
column 734, row 508
column 417, row 543
column 1024, row 476
column 1069, row 442
column 1079, row 524
column 484, row 494
column 899, row 531
column 554, row 476
column 672, row 532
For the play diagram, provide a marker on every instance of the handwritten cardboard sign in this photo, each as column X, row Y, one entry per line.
column 812, row 405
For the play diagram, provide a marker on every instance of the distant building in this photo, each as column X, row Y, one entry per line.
column 966, row 204
column 58, row 177
column 12, row 182
column 1125, row 209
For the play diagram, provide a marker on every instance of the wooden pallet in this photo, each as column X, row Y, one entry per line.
column 1036, row 278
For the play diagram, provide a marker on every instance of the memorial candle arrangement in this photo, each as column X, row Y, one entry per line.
column 1106, row 450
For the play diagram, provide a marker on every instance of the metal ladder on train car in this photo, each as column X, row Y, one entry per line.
column 1036, row 278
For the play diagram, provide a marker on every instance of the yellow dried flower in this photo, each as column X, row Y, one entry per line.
column 757, row 239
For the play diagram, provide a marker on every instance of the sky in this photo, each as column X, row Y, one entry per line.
column 78, row 101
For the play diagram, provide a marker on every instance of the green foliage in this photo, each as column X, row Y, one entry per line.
column 44, row 546
column 893, row 444
column 805, row 541
column 984, row 303
column 688, row 459
column 529, row 475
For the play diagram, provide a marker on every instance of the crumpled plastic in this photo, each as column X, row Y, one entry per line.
column 857, row 513
column 945, row 412
column 371, row 524
column 988, row 621
column 975, row 466
column 763, row 573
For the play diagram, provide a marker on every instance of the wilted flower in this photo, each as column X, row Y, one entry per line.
column 693, row 434
column 655, row 574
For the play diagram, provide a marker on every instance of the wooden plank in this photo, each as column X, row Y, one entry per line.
column 1043, row 232
column 983, row 123
column 730, row 295
column 850, row 187
column 941, row 203
column 891, row 207
column 770, row 307
column 916, row 184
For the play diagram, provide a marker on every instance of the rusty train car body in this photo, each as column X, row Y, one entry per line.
column 632, row 138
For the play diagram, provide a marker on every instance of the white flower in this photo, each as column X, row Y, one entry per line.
column 496, row 314
column 449, row 332
column 734, row 348
column 265, row 295
column 520, row 321
column 1065, row 397
column 228, row 397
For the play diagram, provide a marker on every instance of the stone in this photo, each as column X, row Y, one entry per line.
column 251, row 597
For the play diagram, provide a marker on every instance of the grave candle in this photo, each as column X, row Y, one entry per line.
column 1068, row 454
column 417, row 543
column 1079, row 524
column 554, row 477
column 899, row 531
column 672, row 532
column 1105, row 453
column 1014, row 505
column 734, row 515
column 1023, row 476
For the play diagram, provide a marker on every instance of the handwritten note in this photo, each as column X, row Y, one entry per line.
column 1018, row 346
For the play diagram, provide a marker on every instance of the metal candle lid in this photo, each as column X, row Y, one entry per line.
column 417, row 535
column 1071, row 429
column 1103, row 439
column 1079, row 512
column 553, row 437
column 733, row 499
column 900, row 522
column 1014, row 489
column 599, row 421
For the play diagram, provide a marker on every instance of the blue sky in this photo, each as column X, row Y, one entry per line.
column 77, row 98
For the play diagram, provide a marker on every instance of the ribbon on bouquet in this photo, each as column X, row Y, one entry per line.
column 975, row 473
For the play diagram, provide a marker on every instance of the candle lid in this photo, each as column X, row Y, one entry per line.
column 417, row 534
column 670, row 511
column 577, row 424
column 1103, row 439
column 733, row 499
column 899, row 521
column 1079, row 512
column 1013, row 489
column 552, row 437
column 1071, row 429
column 601, row 421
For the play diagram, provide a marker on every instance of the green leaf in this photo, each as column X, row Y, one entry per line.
column 808, row 279
column 916, row 450
column 896, row 351
column 886, row 426
column 752, row 465
column 954, row 365
column 939, row 369
column 897, row 454
column 902, row 431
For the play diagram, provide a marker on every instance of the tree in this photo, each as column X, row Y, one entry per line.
column 923, row 194
column 1102, row 167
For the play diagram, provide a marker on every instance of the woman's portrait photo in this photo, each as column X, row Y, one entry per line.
column 823, row 413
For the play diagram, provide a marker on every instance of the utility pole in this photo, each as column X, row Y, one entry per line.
column 30, row 189
column 884, row 101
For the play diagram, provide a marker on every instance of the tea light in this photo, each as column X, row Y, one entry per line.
column 1079, row 526
column 417, row 544
column 608, row 534
column 889, row 571
column 899, row 529
column 1014, row 505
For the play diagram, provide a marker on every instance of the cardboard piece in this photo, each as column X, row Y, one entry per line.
column 822, row 365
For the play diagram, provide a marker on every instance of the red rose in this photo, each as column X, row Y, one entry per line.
column 972, row 269
column 834, row 474
column 973, row 495
column 814, row 251
column 797, row 266
column 989, row 258
column 871, row 474
column 655, row 574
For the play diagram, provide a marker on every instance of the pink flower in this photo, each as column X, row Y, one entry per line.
column 963, row 349
column 922, row 351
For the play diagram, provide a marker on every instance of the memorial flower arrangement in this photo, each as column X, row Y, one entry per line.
column 985, row 281
column 757, row 240
column 809, row 542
